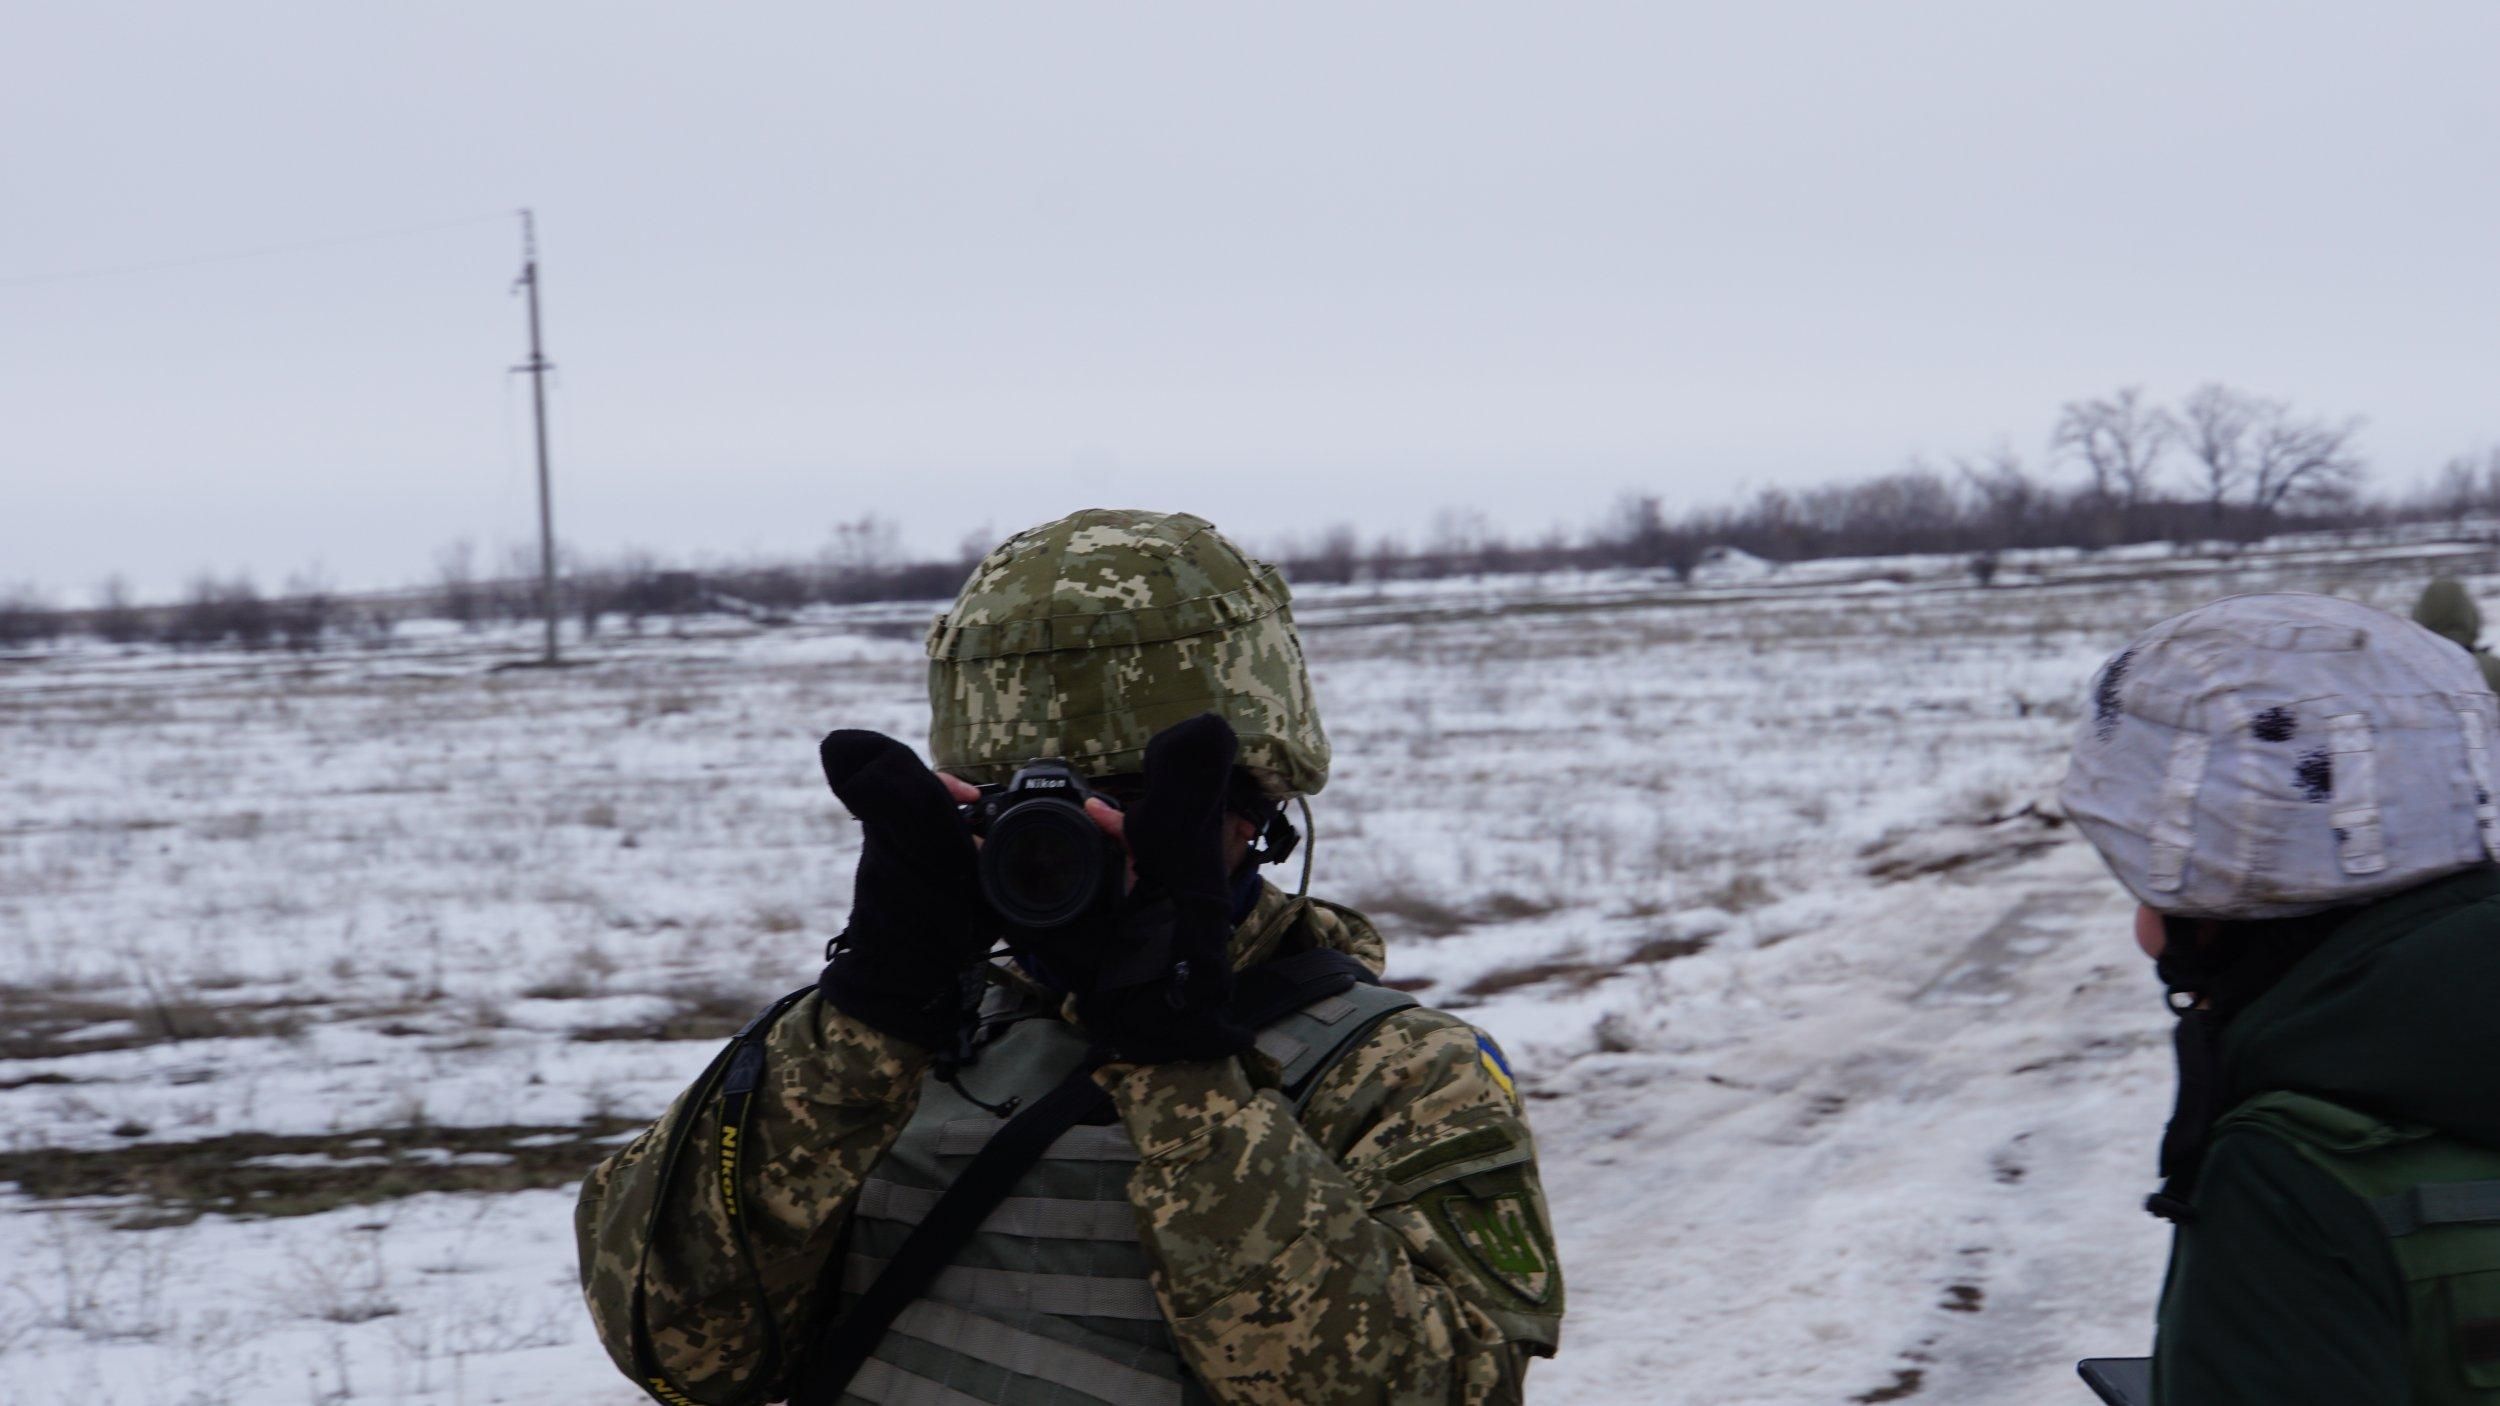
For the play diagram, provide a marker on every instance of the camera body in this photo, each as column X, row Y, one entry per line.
column 1044, row 863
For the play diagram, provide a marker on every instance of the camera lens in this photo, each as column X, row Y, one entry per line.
column 1042, row 864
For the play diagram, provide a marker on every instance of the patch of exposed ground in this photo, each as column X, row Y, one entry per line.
column 1999, row 842
column 1906, row 1382
column 253, row 1175
column 703, row 1014
column 1405, row 913
column 37, row 1024
column 1579, row 975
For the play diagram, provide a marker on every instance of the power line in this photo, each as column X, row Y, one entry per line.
column 234, row 256
column 537, row 366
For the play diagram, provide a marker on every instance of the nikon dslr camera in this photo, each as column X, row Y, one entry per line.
column 1044, row 863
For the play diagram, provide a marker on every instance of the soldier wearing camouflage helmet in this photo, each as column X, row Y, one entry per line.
column 1183, row 1150
column 2298, row 791
column 2446, row 609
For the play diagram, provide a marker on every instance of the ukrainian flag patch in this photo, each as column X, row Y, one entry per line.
column 1490, row 1056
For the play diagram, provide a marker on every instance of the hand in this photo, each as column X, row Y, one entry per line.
column 917, row 922
column 1158, row 991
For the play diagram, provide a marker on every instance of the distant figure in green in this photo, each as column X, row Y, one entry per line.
column 2446, row 609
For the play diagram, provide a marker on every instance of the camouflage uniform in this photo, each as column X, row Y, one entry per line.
column 1388, row 1242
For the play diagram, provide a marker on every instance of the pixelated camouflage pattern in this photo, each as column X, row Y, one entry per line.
column 1320, row 1260
column 1279, row 923
column 1326, row 1259
column 1084, row 637
column 836, row 1093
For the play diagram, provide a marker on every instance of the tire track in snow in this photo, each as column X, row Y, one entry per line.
column 1905, row 1171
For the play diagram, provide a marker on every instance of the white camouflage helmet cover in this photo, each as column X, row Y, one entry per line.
column 2272, row 755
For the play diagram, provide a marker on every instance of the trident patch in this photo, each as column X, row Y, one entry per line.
column 1502, row 1236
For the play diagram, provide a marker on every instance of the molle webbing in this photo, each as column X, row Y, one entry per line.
column 1063, row 1295
column 1042, row 1217
column 2435, row 1204
column 1295, row 1054
column 1031, row 1355
column 1047, row 1298
column 962, row 1137
column 889, row 1385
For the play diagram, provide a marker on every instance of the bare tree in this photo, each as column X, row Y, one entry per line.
column 858, row 557
column 1461, row 540
column 1389, row 558
column 303, row 618
column 455, row 576
column 2217, row 424
column 634, row 590
column 2299, row 463
column 2119, row 440
column 2467, row 484
column 116, row 619
column 2009, row 499
column 2456, row 491
column 1638, row 534
column 213, row 611
column 26, row 617
column 514, row 593
column 1334, row 556
column 1913, row 509
column 866, row 543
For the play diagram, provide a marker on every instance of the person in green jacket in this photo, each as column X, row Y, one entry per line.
column 2299, row 790
column 2445, row 609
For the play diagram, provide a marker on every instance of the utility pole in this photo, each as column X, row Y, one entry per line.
column 538, row 367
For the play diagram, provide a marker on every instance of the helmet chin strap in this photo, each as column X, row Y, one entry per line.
column 1310, row 846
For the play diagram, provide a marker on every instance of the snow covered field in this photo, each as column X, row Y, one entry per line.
column 320, row 980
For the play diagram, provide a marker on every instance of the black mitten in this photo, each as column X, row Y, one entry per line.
column 918, row 925
column 1166, row 975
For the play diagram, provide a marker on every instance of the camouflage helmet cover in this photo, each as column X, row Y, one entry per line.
column 1084, row 637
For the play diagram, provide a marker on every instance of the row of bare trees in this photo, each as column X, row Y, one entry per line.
column 309, row 615
column 862, row 560
column 2221, row 463
column 2249, row 450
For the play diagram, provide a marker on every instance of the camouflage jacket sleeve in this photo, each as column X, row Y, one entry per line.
column 1391, row 1246
column 835, row 1094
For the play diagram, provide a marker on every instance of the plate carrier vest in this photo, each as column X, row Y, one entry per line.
column 1048, row 1303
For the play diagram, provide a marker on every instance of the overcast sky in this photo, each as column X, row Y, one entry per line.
column 970, row 266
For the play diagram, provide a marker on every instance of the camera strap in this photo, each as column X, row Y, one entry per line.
column 734, row 1076
column 1262, row 996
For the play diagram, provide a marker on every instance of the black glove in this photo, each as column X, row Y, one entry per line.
column 1161, row 986
column 918, row 927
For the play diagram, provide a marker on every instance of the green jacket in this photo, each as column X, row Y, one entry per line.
column 2286, row 1288
column 2447, row 609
